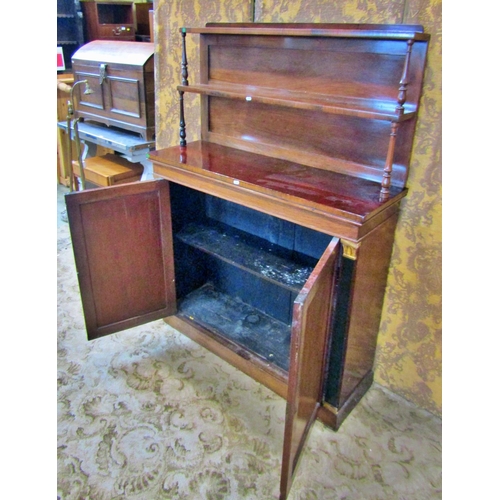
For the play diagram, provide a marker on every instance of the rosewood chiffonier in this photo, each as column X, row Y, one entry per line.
column 268, row 240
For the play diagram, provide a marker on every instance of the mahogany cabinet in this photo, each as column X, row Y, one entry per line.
column 268, row 240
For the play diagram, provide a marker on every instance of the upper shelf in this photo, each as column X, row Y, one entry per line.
column 336, row 97
column 367, row 71
column 374, row 31
column 342, row 105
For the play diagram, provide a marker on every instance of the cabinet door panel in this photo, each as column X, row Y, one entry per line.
column 96, row 98
column 122, row 241
column 125, row 96
column 310, row 327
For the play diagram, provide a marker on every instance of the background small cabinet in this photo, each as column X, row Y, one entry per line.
column 108, row 20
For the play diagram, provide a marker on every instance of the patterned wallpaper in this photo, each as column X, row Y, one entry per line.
column 409, row 356
column 170, row 16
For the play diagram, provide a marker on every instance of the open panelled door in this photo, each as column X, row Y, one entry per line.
column 312, row 314
column 122, row 242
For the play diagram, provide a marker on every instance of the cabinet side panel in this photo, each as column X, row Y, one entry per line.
column 367, row 299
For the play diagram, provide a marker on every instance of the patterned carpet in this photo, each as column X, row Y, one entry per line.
column 146, row 414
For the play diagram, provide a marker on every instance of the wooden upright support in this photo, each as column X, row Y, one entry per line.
column 184, row 74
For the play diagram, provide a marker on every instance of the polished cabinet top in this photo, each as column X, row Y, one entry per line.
column 336, row 193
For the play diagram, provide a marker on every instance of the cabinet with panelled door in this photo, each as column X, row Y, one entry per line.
column 268, row 240
column 108, row 20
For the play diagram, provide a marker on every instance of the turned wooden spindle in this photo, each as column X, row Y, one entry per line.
column 184, row 73
column 386, row 178
column 403, row 83
column 184, row 63
column 182, row 124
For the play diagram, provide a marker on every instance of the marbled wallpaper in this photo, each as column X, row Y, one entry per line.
column 409, row 358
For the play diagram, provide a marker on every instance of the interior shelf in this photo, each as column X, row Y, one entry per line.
column 377, row 109
column 239, row 322
column 255, row 255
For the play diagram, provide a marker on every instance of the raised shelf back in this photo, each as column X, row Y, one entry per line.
column 324, row 98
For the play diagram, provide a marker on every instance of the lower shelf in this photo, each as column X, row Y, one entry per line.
column 239, row 322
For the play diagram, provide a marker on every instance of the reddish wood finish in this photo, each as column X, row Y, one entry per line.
column 333, row 416
column 371, row 267
column 342, row 226
column 344, row 81
column 123, row 251
column 374, row 31
column 308, row 123
column 340, row 195
column 108, row 20
column 310, row 329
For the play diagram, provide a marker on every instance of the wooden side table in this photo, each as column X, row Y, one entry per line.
column 96, row 137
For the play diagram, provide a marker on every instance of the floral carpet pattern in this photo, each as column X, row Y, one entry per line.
column 147, row 414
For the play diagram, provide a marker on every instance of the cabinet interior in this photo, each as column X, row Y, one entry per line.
column 115, row 13
column 238, row 271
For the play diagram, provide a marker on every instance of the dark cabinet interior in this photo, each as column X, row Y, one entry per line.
column 144, row 21
column 238, row 272
column 109, row 13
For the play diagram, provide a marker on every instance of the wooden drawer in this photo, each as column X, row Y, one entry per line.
column 109, row 170
column 117, row 31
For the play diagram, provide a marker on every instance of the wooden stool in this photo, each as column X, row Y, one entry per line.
column 107, row 170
